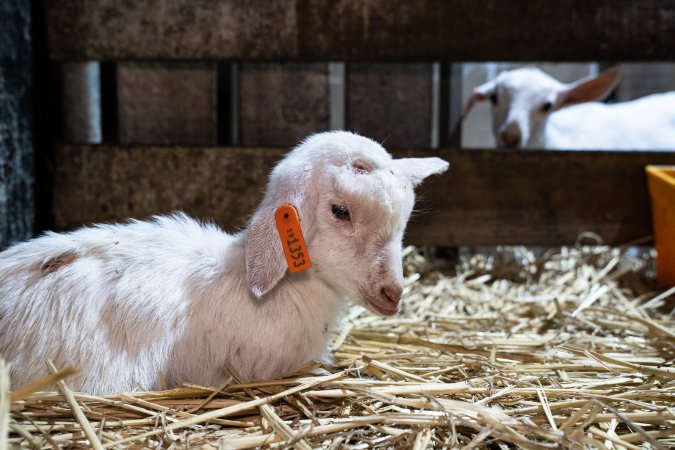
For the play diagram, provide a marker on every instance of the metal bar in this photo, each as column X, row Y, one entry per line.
column 81, row 83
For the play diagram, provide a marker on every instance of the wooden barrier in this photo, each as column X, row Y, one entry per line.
column 280, row 103
column 193, row 73
column 487, row 197
column 354, row 30
column 166, row 103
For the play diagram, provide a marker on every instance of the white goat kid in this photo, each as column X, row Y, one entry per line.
column 129, row 303
column 531, row 109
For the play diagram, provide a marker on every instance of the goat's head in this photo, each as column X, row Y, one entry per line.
column 354, row 201
column 523, row 99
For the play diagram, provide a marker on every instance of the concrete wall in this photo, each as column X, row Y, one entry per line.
column 17, row 215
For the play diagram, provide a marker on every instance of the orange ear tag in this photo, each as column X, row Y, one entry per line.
column 292, row 240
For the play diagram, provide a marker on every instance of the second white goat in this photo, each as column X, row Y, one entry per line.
column 531, row 109
column 171, row 300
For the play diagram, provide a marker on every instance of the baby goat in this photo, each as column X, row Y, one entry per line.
column 171, row 297
column 531, row 109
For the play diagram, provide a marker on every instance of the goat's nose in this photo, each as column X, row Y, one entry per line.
column 391, row 293
column 511, row 137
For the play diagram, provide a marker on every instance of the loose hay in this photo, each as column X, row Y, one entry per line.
column 569, row 349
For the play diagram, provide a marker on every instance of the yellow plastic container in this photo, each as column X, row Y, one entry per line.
column 661, row 181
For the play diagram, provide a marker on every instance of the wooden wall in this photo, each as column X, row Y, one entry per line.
column 487, row 196
column 207, row 95
column 279, row 104
column 638, row 80
column 166, row 103
column 353, row 30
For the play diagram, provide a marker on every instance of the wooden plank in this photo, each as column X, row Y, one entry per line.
column 488, row 196
column 494, row 197
column 353, row 30
column 391, row 103
column 282, row 103
column 166, row 103
column 113, row 183
column 17, row 150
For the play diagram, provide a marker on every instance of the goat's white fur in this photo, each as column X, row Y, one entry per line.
column 576, row 119
column 172, row 298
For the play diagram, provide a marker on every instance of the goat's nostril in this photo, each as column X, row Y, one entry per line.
column 391, row 294
column 511, row 138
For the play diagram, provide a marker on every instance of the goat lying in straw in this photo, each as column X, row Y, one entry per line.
column 127, row 303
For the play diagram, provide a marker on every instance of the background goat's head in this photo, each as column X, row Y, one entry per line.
column 523, row 99
column 354, row 201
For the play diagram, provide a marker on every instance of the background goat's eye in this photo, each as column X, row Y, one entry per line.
column 546, row 107
column 341, row 212
column 493, row 99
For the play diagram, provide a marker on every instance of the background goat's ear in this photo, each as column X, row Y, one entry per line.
column 479, row 93
column 265, row 261
column 417, row 169
column 590, row 89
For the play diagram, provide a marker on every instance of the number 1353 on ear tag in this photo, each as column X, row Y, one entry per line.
column 292, row 240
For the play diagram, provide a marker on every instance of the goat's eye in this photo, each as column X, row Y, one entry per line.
column 341, row 212
column 546, row 107
column 493, row 98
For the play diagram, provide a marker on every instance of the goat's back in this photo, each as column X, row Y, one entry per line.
column 647, row 123
column 108, row 296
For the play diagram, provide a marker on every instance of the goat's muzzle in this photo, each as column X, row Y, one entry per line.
column 387, row 300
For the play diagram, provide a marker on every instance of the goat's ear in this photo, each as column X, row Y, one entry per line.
column 265, row 261
column 589, row 89
column 417, row 169
column 479, row 94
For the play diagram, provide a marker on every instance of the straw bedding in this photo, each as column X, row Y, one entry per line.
column 566, row 349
